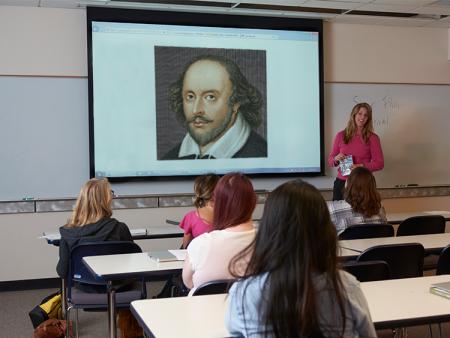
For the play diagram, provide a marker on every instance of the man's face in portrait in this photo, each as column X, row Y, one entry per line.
column 206, row 92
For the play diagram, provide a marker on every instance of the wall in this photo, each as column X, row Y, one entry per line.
column 52, row 42
column 380, row 54
column 38, row 41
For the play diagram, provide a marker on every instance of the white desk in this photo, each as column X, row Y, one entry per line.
column 406, row 302
column 430, row 242
column 392, row 303
column 347, row 254
column 158, row 232
column 116, row 267
column 398, row 217
column 187, row 317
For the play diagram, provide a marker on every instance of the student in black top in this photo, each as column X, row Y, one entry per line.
column 90, row 222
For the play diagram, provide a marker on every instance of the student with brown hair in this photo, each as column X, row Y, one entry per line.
column 208, row 255
column 292, row 286
column 199, row 221
column 361, row 204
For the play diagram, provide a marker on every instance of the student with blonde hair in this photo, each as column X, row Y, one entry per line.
column 91, row 221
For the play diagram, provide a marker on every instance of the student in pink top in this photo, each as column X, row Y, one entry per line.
column 199, row 221
column 359, row 141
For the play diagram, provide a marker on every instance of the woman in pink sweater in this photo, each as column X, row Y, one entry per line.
column 359, row 141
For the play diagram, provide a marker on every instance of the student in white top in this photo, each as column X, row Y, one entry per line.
column 208, row 255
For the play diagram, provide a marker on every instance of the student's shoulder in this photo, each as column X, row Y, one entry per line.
column 349, row 281
column 251, row 285
column 199, row 241
column 189, row 216
column 338, row 205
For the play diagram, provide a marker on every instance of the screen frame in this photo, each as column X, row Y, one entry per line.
column 224, row 20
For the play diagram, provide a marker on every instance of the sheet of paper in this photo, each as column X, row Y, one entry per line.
column 180, row 254
column 137, row 232
column 50, row 236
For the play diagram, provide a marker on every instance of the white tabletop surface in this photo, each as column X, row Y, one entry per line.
column 433, row 241
column 405, row 299
column 391, row 301
column 188, row 317
column 156, row 230
column 347, row 253
column 112, row 266
column 397, row 217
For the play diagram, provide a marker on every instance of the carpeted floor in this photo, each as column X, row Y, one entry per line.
column 15, row 323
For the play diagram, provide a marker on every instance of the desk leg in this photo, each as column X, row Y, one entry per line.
column 112, row 310
column 63, row 298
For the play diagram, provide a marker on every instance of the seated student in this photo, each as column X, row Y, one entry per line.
column 199, row 221
column 361, row 204
column 292, row 286
column 91, row 221
column 209, row 255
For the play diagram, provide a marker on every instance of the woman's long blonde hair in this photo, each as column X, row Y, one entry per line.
column 93, row 203
column 351, row 129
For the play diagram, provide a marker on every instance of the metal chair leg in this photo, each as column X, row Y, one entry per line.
column 76, row 321
column 68, row 321
column 63, row 298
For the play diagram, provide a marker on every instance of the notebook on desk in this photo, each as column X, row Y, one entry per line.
column 162, row 256
column 441, row 289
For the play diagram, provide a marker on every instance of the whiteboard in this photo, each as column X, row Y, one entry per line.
column 45, row 140
column 413, row 123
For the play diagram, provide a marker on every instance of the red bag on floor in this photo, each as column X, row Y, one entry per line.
column 51, row 328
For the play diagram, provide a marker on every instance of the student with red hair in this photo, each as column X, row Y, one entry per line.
column 209, row 254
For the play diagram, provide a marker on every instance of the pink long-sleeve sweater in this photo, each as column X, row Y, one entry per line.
column 369, row 154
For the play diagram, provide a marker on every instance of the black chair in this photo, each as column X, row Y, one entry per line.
column 422, row 225
column 79, row 273
column 442, row 268
column 404, row 260
column 368, row 271
column 214, row 287
column 443, row 264
column 373, row 230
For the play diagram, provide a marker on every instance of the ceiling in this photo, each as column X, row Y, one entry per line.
column 414, row 13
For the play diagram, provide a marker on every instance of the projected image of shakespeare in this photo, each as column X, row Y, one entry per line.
column 215, row 107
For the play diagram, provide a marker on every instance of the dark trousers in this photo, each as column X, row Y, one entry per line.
column 338, row 189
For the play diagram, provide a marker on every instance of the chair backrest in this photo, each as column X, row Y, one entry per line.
column 213, row 287
column 372, row 230
column 368, row 271
column 443, row 265
column 78, row 272
column 422, row 225
column 404, row 260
